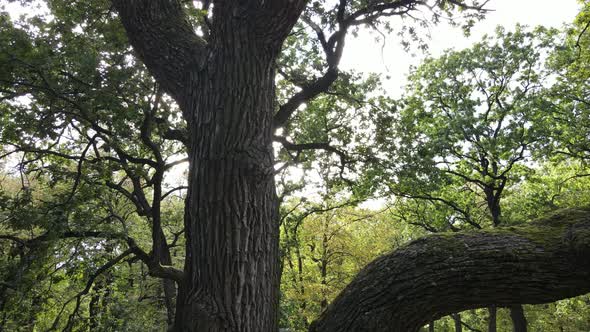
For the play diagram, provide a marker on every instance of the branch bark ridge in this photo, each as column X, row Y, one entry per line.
column 538, row 262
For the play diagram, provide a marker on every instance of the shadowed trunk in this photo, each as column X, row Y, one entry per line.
column 492, row 318
column 435, row 276
column 519, row 322
column 169, row 287
column 224, row 84
column 457, row 321
column 231, row 208
column 94, row 306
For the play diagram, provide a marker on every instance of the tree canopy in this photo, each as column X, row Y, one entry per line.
column 167, row 165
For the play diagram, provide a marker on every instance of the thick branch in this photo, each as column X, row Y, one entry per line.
column 540, row 262
column 276, row 18
column 164, row 40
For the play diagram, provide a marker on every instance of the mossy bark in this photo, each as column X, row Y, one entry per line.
column 539, row 262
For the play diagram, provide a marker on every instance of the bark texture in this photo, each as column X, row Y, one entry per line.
column 438, row 275
column 231, row 209
column 224, row 84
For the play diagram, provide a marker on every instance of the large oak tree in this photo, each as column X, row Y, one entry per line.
column 218, row 60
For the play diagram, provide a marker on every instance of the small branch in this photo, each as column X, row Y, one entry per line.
column 173, row 190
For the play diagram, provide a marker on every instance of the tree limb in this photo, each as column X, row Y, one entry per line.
column 538, row 262
column 164, row 40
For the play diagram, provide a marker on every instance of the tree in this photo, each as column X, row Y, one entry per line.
column 467, row 128
column 90, row 116
column 470, row 122
column 570, row 95
column 222, row 78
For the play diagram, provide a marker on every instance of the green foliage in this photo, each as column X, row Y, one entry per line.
column 42, row 277
column 468, row 125
column 76, row 110
column 570, row 95
column 323, row 251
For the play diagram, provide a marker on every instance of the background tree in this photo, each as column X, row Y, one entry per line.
column 466, row 130
column 469, row 122
column 571, row 94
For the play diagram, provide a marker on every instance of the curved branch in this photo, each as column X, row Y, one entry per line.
column 334, row 44
column 539, row 262
column 427, row 197
column 155, row 268
column 308, row 92
column 310, row 146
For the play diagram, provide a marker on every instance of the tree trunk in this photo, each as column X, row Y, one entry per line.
column 457, row 320
column 519, row 322
column 431, row 326
column 168, row 285
column 516, row 312
column 224, row 84
column 493, row 202
column 323, row 265
column 232, row 258
column 492, row 318
column 438, row 275
column 94, row 306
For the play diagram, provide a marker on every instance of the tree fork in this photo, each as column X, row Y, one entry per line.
column 538, row 262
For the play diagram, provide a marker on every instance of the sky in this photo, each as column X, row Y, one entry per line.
column 364, row 54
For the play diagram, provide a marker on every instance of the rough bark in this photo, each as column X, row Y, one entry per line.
column 225, row 88
column 435, row 276
column 232, row 259
column 164, row 40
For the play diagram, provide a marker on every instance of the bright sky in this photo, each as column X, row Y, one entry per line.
column 365, row 55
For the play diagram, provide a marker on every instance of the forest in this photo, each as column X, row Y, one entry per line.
column 172, row 165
